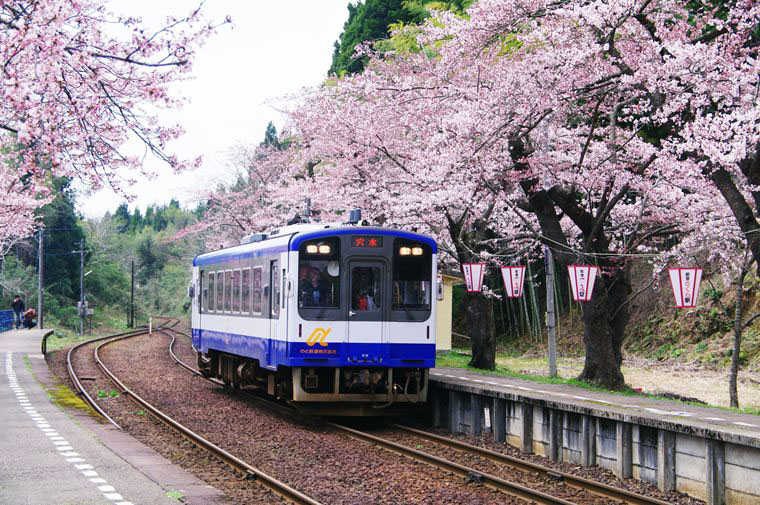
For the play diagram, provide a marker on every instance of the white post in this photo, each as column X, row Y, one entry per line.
column 150, row 325
column 551, row 321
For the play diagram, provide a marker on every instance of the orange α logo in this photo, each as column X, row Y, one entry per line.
column 318, row 335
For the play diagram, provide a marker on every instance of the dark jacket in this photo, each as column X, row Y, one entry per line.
column 18, row 305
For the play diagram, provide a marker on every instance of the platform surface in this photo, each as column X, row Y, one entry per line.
column 62, row 457
column 717, row 423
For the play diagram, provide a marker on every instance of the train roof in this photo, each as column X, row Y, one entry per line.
column 290, row 237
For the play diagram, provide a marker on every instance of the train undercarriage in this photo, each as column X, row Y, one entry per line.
column 345, row 391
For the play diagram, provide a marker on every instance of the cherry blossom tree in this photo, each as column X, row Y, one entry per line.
column 255, row 202
column 78, row 83
column 599, row 129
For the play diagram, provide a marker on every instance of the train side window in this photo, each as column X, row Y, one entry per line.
column 204, row 292
column 245, row 290
column 257, row 273
column 275, row 314
column 219, row 291
column 236, row 291
column 228, row 291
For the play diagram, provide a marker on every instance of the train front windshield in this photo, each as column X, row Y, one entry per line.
column 412, row 272
column 319, row 275
column 370, row 277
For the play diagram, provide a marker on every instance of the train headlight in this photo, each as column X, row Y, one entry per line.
column 416, row 251
column 405, row 251
column 312, row 249
column 324, row 249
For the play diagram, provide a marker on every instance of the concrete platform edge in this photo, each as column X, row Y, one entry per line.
column 155, row 467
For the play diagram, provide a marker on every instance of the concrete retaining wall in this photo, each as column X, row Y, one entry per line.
column 703, row 466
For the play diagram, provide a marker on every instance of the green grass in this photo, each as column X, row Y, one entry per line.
column 62, row 338
column 175, row 494
column 458, row 359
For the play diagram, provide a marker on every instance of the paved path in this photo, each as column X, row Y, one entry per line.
column 724, row 424
column 54, row 456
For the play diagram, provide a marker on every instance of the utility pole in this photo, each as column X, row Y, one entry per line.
column 81, row 287
column 131, row 312
column 40, row 276
column 551, row 316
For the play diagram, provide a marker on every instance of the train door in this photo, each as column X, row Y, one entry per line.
column 367, row 309
column 274, row 307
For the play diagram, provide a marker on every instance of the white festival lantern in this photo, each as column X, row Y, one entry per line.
column 473, row 276
column 582, row 279
column 514, row 279
column 685, row 283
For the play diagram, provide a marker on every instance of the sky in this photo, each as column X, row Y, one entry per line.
column 274, row 48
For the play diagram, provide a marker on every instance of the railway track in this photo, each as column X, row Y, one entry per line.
column 604, row 491
column 247, row 470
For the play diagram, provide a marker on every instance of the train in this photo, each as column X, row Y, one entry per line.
column 332, row 318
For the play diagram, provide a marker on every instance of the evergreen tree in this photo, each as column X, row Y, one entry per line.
column 62, row 236
column 270, row 137
column 136, row 224
column 369, row 21
column 122, row 218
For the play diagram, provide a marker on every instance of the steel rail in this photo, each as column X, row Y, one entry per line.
column 590, row 486
column 276, row 486
column 512, row 488
column 78, row 385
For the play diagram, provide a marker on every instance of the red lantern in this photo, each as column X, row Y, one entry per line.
column 582, row 279
column 514, row 279
column 685, row 284
column 473, row 276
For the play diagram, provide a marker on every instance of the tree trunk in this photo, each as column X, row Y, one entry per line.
column 603, row 333
column 742, row 211
column 482, row 337
column 732, row 377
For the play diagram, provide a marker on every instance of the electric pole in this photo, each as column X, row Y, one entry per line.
column 81, row 287
column 40, row 276
column 551, row 316
column 131, row 312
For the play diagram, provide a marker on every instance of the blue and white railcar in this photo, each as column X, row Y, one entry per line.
column 335, row 319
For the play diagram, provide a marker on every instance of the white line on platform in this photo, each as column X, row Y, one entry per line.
column 58, row 441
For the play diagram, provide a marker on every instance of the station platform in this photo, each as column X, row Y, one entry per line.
column 725, row 424
column 709, row 453
column 52, row 455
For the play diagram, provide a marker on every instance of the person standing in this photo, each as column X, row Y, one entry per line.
column 18, row 311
